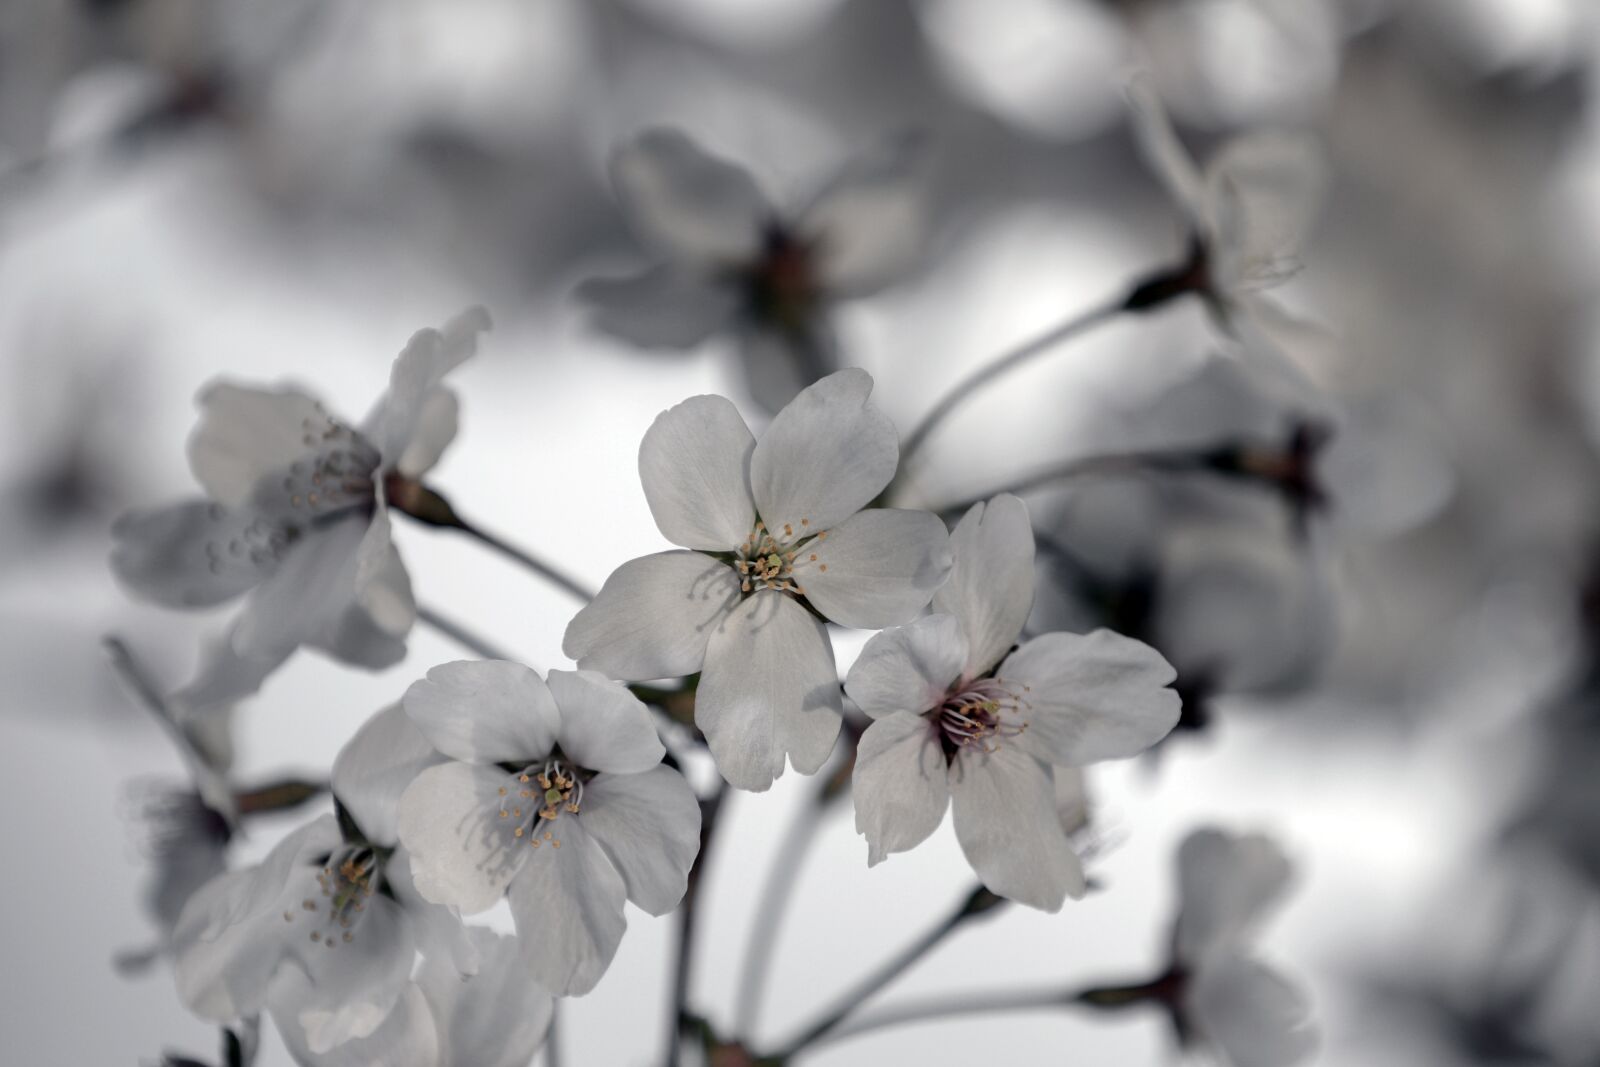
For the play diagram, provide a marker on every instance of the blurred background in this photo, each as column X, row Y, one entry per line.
column 1396, row 679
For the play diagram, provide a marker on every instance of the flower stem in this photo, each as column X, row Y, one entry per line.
column 430, row 508
column 770, row 906
column 478, row 646
column 683, row 970
column 991, row 1003
column 1010, row 361
column 976, row 903
column 1114, row 463
column 552, row 1036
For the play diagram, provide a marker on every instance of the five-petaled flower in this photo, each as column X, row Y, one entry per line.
column 295, row 514
column 554, row 795
column 732, row 262
column 964, row 719
column 333, row 904
column 775, row 540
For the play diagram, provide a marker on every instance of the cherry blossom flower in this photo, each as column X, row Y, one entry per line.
column 333, row 902
column 496, row 1018
column 1226, row 999
column 1247, row 214
column 553, row 795
column 731, row 261
column 774, row 541
column 964, row 718
column 295, row 516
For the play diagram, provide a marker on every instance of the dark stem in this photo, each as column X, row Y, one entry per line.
column 946, row 1007
column 1118, row 463
column 552, row 1037
column 682, row 1020
column 533, row 563
column 989, row 372
column 770, row 906
column 976, row 903
column 462, row 636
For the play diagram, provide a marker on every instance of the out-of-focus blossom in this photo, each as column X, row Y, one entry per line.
column 1247, row 213
column 731, row 261
column 295, row 515
column 776, row 537
column 962, row 717
column 555, row 796
column 495, row 1018
column 1220, row 996
column 240, row 1046
column 333, row 903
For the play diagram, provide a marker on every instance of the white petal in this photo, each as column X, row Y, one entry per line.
column 1167, row 156
column 225, row 976
column 603, row 726
column 1006, row 822
column 1072, row 798
column 407, row 1034
column 375, row 767
column 355, row 982
column 694, row 463
column 256, row 895
column 769, row 680
column 690, row 205
column 780, row 363
column 653, row 617
column 1262, row 195
column 1226, row 885
column 462, row 853
column 400, row 417
column 667, row 306
column 317, row 597
column 246, row 433
column 877, row 568
column 1090, row 698
column 224, row 676
column 567, row 902
column 825, row 456
column 899, row 784
column 990, row 588
column 189, row 555
column 868, row 223
column 909, row 668
column 1252, row 1013
column 437, row 421
column 440, row 933
column 485, row 711
column 495, row 1019
column 649, row 826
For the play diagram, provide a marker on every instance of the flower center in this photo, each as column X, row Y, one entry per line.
column 347, row 879
column 766, row 561
column 980, row 716
column 544, row 794
column 338, row 473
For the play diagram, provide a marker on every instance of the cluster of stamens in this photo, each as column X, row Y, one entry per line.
column 339, row 472
column 347, row 880
column 258, row 544
column 981, row 716
column 545, row 795
column 766, row 562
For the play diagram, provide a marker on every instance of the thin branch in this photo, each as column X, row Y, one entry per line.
column 688, row 910
column 1003, row 1001
column 552, row 1036
column 976, row 903
column 1116, row 463
column 1010, row 361
column 527, row 559
column 462, row 636
column 781, row 879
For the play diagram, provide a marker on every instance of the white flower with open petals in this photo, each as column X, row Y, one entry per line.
column 1220, row 995
column 554, row 795
column 731, row 261
column 295, row 515
column 773, row 536
column 963, row 719
column 333, row 902
column 1247, row 213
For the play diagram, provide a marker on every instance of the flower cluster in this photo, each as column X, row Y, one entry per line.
column 563, row 794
